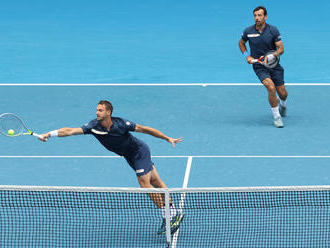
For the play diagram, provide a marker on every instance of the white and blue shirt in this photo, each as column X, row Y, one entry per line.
column 261, row 43
column 118, row 139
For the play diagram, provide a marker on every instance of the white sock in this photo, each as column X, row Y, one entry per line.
column 162, row 210
column 172, row 211
column 276, row 112
column 283, row 103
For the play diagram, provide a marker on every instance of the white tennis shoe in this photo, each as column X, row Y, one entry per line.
column 278, row 122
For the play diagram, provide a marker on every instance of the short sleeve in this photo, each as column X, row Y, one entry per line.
column 277, row 35
column 129, row 125
column 87, row 127
column 244, row 36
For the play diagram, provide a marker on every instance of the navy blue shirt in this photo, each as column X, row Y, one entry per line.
column 118, row 139
column 261, row 43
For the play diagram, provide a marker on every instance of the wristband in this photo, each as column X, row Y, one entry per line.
column 246, row 54
column 53, row 133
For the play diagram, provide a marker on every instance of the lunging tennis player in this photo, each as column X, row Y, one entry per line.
column 264, row 38
column 114, row 134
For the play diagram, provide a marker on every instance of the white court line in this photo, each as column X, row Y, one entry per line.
column 158, row 84
column 138, row 84
column 176, row 156
column 187, row 173
column 183, row 195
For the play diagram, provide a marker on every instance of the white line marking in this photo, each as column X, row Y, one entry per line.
column 140, row 84
column 159, row 84
column 187, row 173
column 178, row 156
column 183, row 195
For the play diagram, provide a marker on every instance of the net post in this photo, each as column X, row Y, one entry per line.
column 167, row 218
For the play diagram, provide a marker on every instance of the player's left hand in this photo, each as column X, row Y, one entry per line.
column 174, row 141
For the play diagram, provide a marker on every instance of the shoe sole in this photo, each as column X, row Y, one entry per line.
column 278, row 126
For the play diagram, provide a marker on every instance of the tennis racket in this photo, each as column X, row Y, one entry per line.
column 12, row 126
column 269, row 60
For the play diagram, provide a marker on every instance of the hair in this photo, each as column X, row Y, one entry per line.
column 107, row 105
column 259, row 8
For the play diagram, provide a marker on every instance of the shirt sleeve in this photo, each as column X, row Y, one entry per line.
column 277, row 35
column 244, row 36
column 87, row 128
column 129, row 125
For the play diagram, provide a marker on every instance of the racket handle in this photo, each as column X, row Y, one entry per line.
column 254, row 61
column 36, row 135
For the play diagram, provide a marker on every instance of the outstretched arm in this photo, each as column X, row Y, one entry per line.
column 62, row 132
column 156, row 133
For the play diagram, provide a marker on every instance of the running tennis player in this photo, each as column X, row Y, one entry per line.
column 114, row 134
column 263, row 38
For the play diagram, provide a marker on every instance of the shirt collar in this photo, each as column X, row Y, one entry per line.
column 262, row 30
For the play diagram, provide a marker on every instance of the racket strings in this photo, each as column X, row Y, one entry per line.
column 272, row 60
column 8, row 122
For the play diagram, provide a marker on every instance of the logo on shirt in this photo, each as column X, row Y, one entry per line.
column 253, row 35
column 98, row 132
column 128, row 123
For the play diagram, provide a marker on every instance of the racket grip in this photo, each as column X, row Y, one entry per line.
column 254, row 61
column 36, row 135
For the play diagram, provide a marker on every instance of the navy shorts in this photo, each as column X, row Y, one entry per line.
column 140, row 161
column 276, row 74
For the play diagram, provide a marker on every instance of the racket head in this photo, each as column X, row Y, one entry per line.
column 272, row 60
column 11, row 121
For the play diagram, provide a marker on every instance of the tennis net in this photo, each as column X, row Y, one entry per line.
column 34, row 216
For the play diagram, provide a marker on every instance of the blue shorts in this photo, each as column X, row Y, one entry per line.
column 276, row 74
column 140, row 161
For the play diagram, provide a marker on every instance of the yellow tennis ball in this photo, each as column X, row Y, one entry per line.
column 11, row 132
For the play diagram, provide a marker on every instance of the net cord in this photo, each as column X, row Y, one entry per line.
column 162, row 190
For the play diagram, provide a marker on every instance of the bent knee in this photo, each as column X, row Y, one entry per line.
column 158, row 183
column 269, row 84
column 145, row 184
column 144, row 181
column 283, row 94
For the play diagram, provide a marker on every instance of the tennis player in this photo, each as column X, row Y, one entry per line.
column 262, row 39
column 114, row 134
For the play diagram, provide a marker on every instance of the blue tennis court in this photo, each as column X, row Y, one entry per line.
column 171, row 65
column 209, row 125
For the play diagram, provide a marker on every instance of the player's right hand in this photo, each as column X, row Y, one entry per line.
column 44, row 137
column 254, row 61
column 250, row 60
